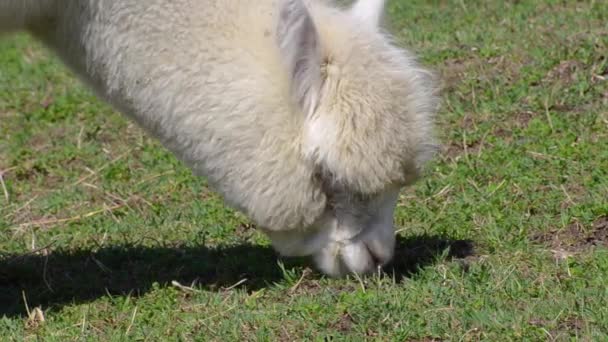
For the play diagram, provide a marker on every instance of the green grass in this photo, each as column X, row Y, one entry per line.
column 504, row 239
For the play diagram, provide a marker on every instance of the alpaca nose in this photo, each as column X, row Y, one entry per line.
column 364, row 253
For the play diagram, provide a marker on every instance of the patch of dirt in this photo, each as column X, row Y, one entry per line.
column 600, row 229
column 572, row 194
column 468, row 122
column 344, row 323
column 568, row 325
column 538, row 322
column 454, row 71
column 307, row 285
column 524, row 118
column 455, row 149
column 565, row 71
column 563, row 107
column 574, row 238
column 572, row 324
column 503, row 133
column 508, row 67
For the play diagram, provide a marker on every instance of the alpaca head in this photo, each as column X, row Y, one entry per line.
column 368, row 112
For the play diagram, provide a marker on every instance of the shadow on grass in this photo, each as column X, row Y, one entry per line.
column 65, row 277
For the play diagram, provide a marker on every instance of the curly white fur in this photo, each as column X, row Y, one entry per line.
column 304, row 116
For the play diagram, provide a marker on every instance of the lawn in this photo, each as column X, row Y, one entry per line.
column 105, row 236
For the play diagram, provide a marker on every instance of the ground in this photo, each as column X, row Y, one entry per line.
column 105, row 236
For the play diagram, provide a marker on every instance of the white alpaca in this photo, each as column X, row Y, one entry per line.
column 302, row 115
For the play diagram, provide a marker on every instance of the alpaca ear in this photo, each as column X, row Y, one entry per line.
column 369, row 11
column 300, row 49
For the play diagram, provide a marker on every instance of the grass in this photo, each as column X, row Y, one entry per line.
column 105, row 236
